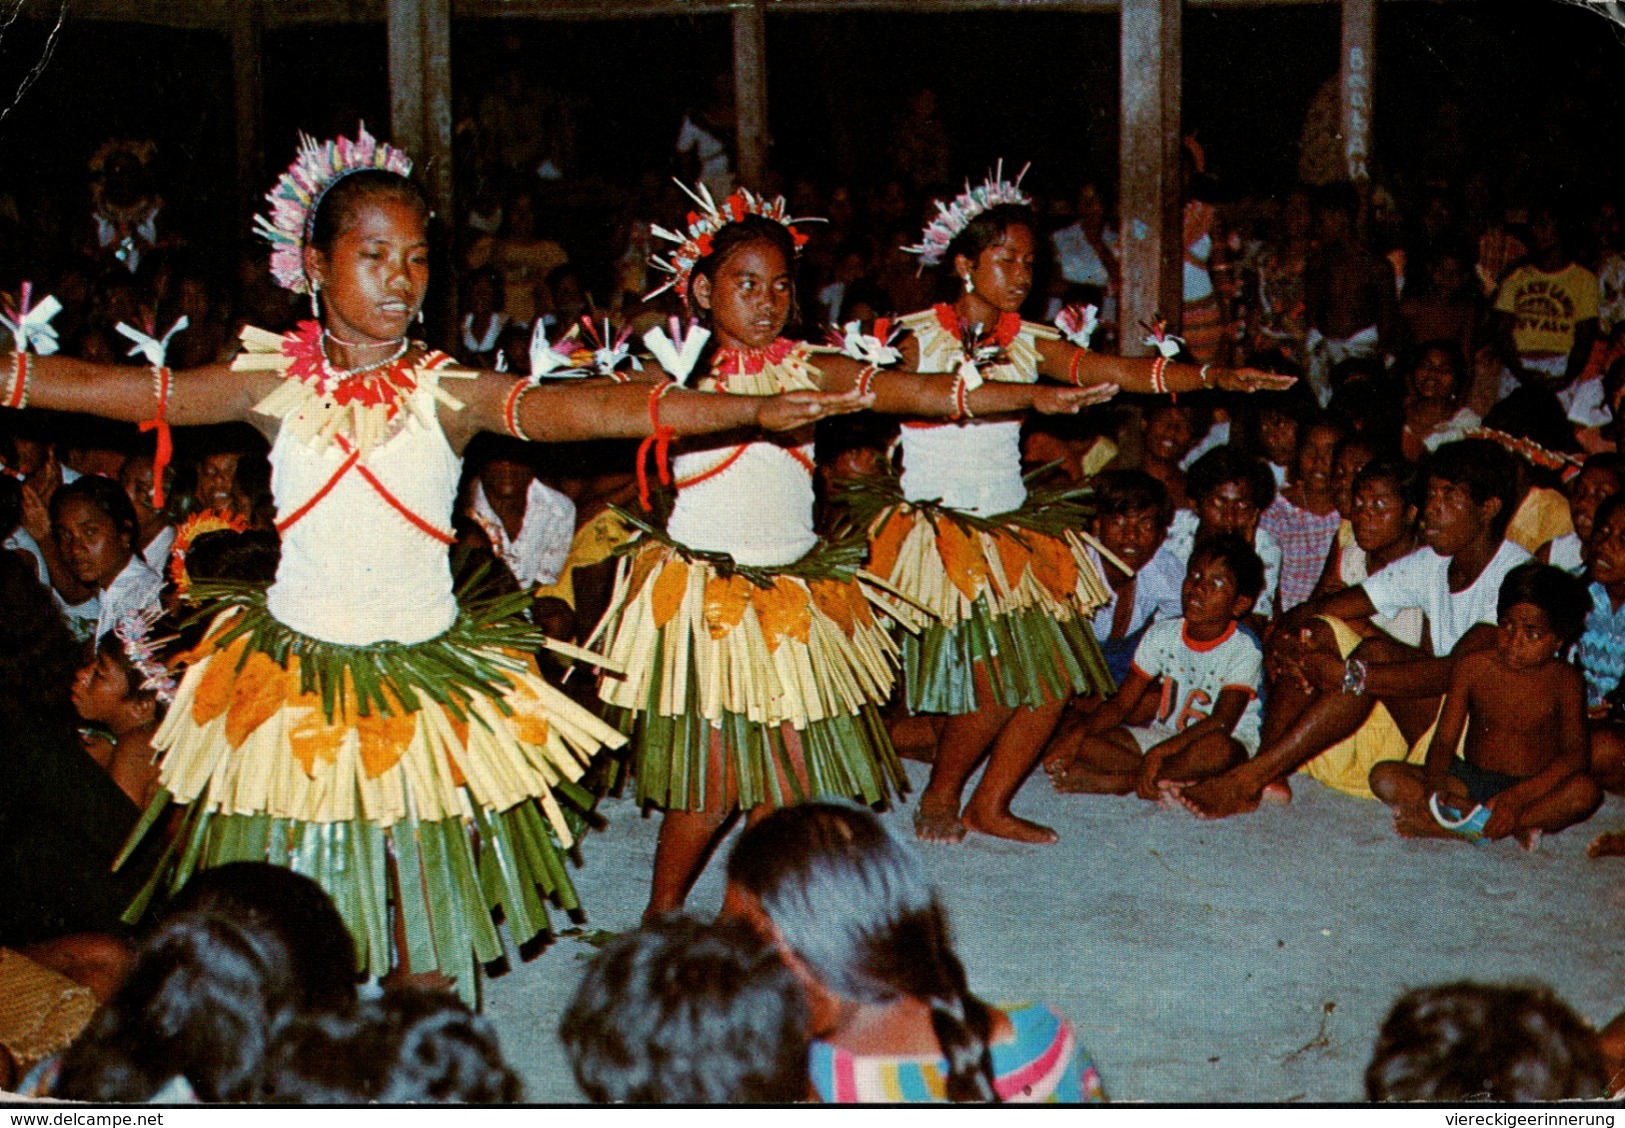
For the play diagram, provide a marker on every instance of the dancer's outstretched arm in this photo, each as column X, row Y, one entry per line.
column 211, row 394
column 574, row 412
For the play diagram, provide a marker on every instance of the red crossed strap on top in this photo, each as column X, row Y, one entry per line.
column 352, row 461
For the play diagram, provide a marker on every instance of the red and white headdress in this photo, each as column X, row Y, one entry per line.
column 695, row 243
column 952, row 218
column 299, row 191
column 134, row 632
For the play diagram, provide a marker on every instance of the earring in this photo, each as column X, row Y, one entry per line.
column 315, row 301
column 420, row 315
column 970, row 287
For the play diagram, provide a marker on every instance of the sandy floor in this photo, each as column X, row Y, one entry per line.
column 1249, row 960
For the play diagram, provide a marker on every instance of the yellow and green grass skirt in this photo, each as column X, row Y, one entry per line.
column 712, row 649
column 439, row 779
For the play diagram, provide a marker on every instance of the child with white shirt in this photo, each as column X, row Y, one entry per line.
column 1209, row 672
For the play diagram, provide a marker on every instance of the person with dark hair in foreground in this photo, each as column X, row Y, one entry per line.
column 1473, row 1042
column 847, row 904
column 193, row 1020
column 680, row 1012
column 411, row 1046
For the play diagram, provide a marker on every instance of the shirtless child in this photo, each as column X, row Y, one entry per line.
column 1209, row 671
column 1526, row 757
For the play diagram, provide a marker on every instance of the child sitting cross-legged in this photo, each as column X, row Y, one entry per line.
column 1524, row 768
column 1209, row 671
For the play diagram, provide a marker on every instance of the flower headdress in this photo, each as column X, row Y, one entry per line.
column 955, row 217
column 189, row 530
column 134, row 632
column 299, row 191
column 703, row 225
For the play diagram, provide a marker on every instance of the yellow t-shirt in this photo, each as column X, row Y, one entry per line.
column 1547, row 307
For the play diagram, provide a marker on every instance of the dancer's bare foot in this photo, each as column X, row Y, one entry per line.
column 1528, row 839
column 1217, row 798
column 936, row 821
column 1003, row 824
column 1278, row 792
column 1610, row 844
column 1418, row 824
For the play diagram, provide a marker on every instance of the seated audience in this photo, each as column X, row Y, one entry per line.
column 1131, row 521
column 680, row 1012
column 1523, row 768
column 1209, row 674
column 1230, row 490
column 846, row 903
column 155, row 530
column 1435, row 400
column 1602, row 476
column 1303, row 518
column 124, row 691
column 1377, row 700
column 96, row 530
column 62, row 818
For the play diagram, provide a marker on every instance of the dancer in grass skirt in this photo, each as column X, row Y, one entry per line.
column 360, row 721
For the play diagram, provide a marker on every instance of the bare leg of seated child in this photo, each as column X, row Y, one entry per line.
column 1100, row 765
column 1608, row 756
column 1572, row 801
column 1400, row 786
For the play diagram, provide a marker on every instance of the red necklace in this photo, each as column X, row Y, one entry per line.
column 383, row 385
column 1005, row 329
column 748, row 362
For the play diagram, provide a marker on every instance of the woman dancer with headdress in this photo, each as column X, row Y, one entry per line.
column 360, row 721
column 1003, row 568
column 753, row 663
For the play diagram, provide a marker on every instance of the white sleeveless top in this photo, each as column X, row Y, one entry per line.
column 971, row 465
column 759, row 510
column 354, row 569
column 753, row 501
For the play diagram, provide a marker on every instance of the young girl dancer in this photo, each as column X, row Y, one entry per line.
column 753, row 663
column 356, row 721
column 1004, row 570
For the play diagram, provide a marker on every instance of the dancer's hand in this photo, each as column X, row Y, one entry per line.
column 1250, row 380
column 789, row 410
column 1054, row 399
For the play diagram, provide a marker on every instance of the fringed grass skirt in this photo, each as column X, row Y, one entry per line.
column 430, row 775
column 1013, row 593
column 712, row 650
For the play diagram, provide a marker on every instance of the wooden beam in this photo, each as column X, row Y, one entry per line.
column 420, row 121
column 1359, row 55
column 406, row 74
column 750, row 92
column 248, row 100
column 301, row 13
column 1148, row 152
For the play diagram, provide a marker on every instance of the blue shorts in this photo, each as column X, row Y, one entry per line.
column 1482, row 784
